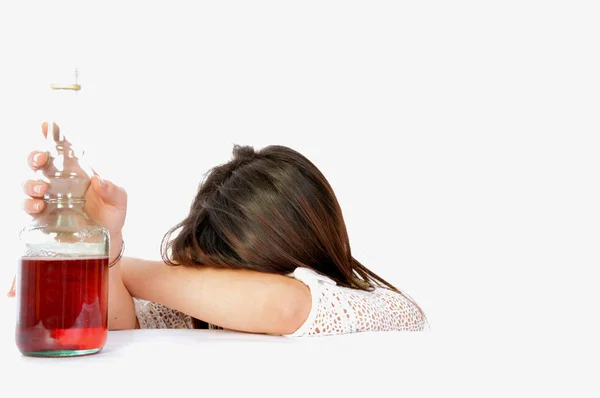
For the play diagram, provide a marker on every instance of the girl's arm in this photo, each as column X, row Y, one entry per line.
column 121, row 313
column 243, row 300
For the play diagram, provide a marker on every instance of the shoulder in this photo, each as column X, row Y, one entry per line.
column 338, row 310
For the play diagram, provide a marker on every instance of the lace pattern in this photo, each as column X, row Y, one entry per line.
column 156, row 316
column 341, row 310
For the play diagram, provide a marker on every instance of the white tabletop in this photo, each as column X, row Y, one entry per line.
column 206, row 362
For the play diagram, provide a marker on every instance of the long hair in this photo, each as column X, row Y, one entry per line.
column 270, row 210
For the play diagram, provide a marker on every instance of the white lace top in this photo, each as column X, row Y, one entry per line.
column 335, row 310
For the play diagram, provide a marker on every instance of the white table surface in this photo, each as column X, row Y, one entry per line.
column 199, row 363
column 202, row 363
column 215, row 362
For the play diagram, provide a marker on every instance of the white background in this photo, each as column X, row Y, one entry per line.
column 460, row 137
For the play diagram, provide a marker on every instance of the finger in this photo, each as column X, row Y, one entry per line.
column 55, row 128
column 35, row 189
column 13, row 288
column 109, row 192
column 37, row 159
column 33, row 206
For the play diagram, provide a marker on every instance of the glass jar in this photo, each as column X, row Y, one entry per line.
column 62, row 278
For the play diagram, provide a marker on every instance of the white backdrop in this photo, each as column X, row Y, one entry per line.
column 460, row 137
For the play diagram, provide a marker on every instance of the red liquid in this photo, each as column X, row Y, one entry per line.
column 62, row 305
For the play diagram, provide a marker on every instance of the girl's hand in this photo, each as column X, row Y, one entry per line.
column 106, row 203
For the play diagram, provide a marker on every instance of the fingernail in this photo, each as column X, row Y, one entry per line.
column 37, row 206
column 36, row 157
column 101, row 182
column 37, row 188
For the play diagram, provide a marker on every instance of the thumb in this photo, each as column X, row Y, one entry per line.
column 108, row 191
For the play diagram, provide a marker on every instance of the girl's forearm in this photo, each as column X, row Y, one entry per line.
column 233, row 299
column 121, row 311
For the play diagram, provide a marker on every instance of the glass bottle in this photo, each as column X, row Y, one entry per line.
column 62, row 278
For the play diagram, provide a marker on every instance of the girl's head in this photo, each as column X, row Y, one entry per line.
column 270, row 210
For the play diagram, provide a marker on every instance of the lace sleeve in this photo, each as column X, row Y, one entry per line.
column 340, row 310
column 156, row 316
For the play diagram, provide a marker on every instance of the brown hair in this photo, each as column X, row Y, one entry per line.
column 272, row 211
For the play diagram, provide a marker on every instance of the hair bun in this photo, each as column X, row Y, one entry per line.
column 244, row 153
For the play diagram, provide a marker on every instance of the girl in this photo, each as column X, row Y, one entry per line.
column 264, row 249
